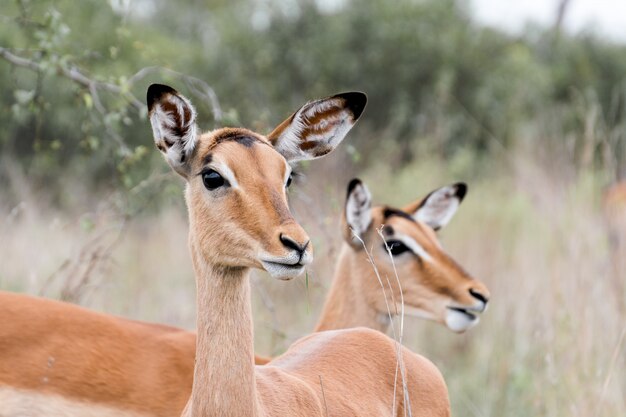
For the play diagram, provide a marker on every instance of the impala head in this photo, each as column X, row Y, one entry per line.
column 237, row 179
column 433, row 285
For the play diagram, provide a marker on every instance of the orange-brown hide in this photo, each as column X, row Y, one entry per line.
column 58, row 348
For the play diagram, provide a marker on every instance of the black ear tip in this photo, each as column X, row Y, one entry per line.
column 461, row 190
column 353, row 184
column 355, row 102
column 156, row 91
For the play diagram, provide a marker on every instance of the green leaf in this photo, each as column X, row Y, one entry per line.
column 87, row 224
column 306, row 284
column 88, row 100
column 24, row 96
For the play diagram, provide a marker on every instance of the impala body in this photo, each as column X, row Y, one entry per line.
column 239, row 219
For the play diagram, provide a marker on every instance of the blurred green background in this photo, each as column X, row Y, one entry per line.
column 535, row 122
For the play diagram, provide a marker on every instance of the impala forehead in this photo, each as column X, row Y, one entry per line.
column 402, row 223
column 245, row 160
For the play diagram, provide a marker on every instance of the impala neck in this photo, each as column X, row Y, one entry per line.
column 224, row 382
column 347, row 304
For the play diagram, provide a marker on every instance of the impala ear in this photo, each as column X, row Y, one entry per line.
column 173, row 121
column 358, row 212
column 438, row 207
column 318, row 126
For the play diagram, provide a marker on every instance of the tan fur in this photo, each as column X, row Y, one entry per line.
column 58, row 349
column 26, row 403
column 356, row 297
column 46, row 326
column 317, row 376
column 230, row 230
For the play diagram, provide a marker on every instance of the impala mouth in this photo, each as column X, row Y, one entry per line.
column 459, row 319
column 467, row 311
column 283, row 270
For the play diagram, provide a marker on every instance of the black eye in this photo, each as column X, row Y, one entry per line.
column 288, row 181
column 396, row 247
column 212, row 179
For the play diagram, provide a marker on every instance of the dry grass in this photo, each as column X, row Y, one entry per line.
column 551, row 344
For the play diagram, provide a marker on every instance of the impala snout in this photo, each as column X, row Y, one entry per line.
column 463, row 316
column 295, row 254
column 482, row 299
column 290, row 243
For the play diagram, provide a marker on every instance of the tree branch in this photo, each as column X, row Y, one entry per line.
column 73, row 74
column 198, row 86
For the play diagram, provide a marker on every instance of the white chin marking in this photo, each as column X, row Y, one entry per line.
column 459, row 322
column 282, row 271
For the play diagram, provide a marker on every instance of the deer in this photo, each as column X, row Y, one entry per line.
column 48, row 385
column 355, row 299
column 118, row 366
column 178, row 346
column 62, row 360
column 239, row 220
column 410, row 265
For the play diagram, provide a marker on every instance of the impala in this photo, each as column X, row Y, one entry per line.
column 44, row 363
column 100, row 375
column 239, row 220
column 431, row 284
column 115, row 365
column 61, row 360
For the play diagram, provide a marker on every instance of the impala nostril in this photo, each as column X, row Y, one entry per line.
column 478, row 296
column 292, row 244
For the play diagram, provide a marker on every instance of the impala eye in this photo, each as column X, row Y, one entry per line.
column 289, row 181
column 212, row 179
column 396, row 247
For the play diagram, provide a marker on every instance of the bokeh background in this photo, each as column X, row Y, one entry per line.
column 527, row 104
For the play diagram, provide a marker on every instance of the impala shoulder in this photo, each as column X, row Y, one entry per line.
column 367, row 335
column 419, row 368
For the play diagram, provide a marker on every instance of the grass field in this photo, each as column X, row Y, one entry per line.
column 551, row 344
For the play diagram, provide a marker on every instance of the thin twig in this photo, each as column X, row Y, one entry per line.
column 73, row 74
column 609, row 375
column 198, row 86
column 407, row 401
column 323, row 396
column 382, row 286
column 399, row 358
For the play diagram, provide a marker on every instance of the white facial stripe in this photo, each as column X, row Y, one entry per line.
column 226, row 172
column 414, row 246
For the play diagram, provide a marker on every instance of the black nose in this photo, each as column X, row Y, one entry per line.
column 478, row 296
column 292, row 244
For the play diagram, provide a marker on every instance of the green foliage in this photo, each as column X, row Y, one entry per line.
column 430, row 73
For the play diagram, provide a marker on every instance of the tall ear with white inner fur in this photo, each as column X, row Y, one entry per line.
column 358, row 212
column 173, row 121
column 318, row 126
column 438, row 207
